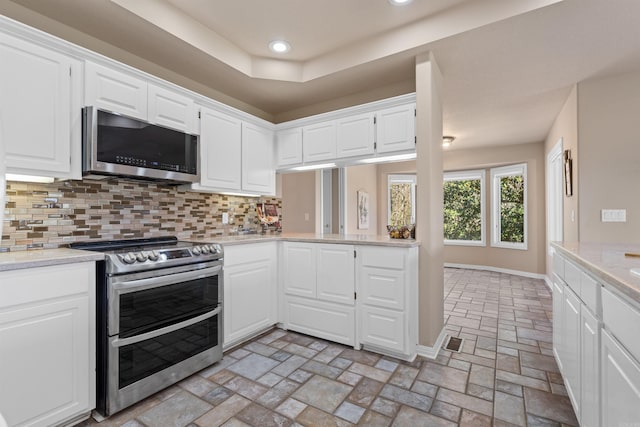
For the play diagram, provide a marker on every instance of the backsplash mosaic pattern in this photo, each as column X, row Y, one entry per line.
column 52, row 215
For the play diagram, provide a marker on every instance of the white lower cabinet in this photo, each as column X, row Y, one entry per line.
column 47, row 344
column 570, row 354
column 250, row 290
column 620, row 385
column 590, row 369
column 319, row 290
column 387, row 299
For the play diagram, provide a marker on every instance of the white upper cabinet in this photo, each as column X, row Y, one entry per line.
column 170, row 109
column 120, row 92
column 115, row 91
column 289, row 147
column 395, row 129
column 355, row 135
column 220, row 151
column 319, row 142
column 40, row 97
column 258, row 171
column 234, row 156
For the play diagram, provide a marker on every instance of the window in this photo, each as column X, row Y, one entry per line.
column 402, row 200
column 464, row 208
column 509, row 207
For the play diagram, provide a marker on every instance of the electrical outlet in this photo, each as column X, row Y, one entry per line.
column 225, row 218
column 614, row 215
column 306, row 216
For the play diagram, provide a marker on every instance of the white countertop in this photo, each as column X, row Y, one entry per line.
column 607, row 262
column 43, row 257
column 350, row 239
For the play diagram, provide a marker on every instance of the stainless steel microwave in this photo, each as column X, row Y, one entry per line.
column 117, row 145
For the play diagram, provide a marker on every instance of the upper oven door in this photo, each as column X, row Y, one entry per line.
column 148, row 301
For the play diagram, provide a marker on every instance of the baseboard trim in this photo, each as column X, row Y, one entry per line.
column 432, row 352
column 497, row 270
column 548, row 282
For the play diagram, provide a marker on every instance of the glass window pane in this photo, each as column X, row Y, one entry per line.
column 463, row 210
column 512, row 209
column 401, row 203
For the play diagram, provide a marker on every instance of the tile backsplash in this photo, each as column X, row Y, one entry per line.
column 52, row 215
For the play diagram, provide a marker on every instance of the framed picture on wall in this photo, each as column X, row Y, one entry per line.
column 568, row 183
column 363, row 210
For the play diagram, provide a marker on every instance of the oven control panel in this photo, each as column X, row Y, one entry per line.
column 206, row 251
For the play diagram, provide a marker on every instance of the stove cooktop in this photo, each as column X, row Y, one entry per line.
column 123, row 256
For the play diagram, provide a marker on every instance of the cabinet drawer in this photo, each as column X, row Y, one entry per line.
column 572, row 276
column 558, row 265
column 383, row 287
column 590, row 293
column 324, row 320
column 382, row 257
column 383, row 328
column 39, row 284
column 622, row 320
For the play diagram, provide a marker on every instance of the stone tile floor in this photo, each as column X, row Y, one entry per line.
column 505, row 374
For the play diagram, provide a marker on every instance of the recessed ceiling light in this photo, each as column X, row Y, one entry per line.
column 279, row 46
column 399, row 2
column 447, row 141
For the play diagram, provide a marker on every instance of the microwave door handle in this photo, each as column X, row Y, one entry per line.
column 170, row 279
column 167, row 329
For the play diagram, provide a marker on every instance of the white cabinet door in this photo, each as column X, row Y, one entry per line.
column 299, row 275
column 115, row 91
column 220, row 151
column 250, row 290
column 289, row 147
column 355, row 135
column 395, row 129
column 47, row 344
column 558, row 318
column 620, row 385
column 383, row 328
column 590, row 369
column 258, row 170
column 319, row 142
column 571, row 349
column 40, row 109
column 170, row 109
column 336, row 274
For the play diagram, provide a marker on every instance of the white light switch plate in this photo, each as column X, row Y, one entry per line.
column 614, row 215
column 225, row 218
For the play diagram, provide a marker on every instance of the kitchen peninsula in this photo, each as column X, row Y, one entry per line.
column 596, row 315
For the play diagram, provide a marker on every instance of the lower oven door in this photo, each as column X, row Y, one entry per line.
column 144, row 364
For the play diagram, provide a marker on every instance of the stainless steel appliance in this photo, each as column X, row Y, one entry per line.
column 113, row 144
column 159, row 316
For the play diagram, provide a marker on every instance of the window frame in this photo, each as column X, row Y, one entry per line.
column 402, row 178
column 496, row 175
column 467, row 175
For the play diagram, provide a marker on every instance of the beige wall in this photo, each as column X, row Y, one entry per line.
column 298, row 199
column 531, row 260
column 609, row 157
column 361, row 178
column 566, row 127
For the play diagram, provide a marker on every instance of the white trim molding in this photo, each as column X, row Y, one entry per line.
column 432, row 352
column 497, row 270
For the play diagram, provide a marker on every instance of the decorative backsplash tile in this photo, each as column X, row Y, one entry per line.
column 52, row 215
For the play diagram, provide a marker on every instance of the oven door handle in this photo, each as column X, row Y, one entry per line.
column 126, row 286
column 167, row 329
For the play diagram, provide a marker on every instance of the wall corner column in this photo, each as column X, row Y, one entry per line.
column 429, row 200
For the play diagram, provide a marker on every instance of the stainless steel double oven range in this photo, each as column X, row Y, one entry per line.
column 159, row 316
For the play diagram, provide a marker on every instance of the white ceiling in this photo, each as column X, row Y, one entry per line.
column 508, row 65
